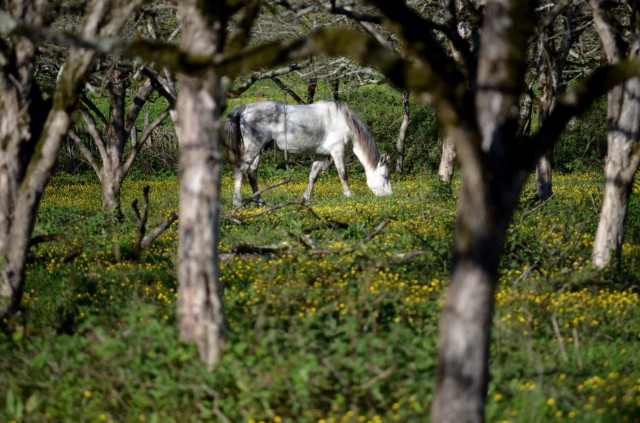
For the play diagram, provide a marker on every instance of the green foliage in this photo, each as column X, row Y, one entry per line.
column 583, row 145
column 347, row 332
column 381, row 108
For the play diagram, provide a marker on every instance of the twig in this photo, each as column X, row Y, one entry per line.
column 556, row 330
column 377, row 230
column 259, row 192
column 267, row 210
column 576, row 344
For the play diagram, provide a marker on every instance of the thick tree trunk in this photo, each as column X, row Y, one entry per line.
column 27, row 156
column 403, row 131
column 492, row 183
column 111, row 183
column 199, row 104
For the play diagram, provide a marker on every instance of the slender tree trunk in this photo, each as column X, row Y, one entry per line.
column 544, row 174
column 544, row 164
column 334, row 83
column 622, row 160
column 311, row 89
column 403, row 132
column 620, row 168
column 199, row 104
column 447, row 159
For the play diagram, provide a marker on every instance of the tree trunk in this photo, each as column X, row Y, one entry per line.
column 620, row 168
column 403, row 131
column 544, row 171
column 447, row 159
column 544, row 165
column 312, row 85
column 30, row 147
column 334, row 83
column 492, row 183
column 622, row 160
column 199, row 104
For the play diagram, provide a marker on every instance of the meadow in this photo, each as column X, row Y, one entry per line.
column 335, row 322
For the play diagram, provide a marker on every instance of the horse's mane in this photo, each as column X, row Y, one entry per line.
column 363, row 136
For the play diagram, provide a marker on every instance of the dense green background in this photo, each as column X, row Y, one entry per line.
column 346, row 335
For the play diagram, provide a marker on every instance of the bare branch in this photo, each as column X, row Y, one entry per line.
column 131, row 156
column 574, row 103
column 257, row 76
column 84, row 150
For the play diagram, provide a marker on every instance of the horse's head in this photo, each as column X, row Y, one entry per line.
column 379, row 180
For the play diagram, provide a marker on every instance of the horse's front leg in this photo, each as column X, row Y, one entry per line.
column 342, row 173
column 316, row 167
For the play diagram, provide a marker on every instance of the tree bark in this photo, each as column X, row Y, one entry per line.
column 621, row 165
column 199, row 105
column 492, row 183
column 403, row 132
column 447, row 159
column 620, row 168
column 28, row 150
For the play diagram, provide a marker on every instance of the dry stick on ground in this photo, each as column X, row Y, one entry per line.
column 356, row 246
column 303, row 239
column 143, row 241
column 265, row 189
column 74, row 250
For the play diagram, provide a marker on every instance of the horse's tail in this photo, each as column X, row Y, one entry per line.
column 232, row 138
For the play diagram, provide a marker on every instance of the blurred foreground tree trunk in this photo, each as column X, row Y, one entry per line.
column 623, row 118
column 479, row 109
column 199, row 105
column 31, row 132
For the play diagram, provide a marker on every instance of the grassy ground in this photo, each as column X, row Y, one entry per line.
column 335, row 327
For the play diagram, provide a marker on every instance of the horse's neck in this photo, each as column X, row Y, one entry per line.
column 363, row 157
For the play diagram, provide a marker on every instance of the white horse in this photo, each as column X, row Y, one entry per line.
column 323, row 129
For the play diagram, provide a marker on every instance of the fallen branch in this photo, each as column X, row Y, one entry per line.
column 259, row 192
column 265, row 250
column 75, row 250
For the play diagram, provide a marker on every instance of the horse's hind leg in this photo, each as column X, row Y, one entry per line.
column 252, row 175
column 250, row 167
column 316, row 167
column 237, row 194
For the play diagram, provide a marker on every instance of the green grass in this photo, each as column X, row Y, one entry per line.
column 348, row 335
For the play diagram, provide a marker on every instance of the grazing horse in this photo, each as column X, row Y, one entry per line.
column 323, row 129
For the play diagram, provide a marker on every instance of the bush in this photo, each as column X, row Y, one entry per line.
column 583, row 144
